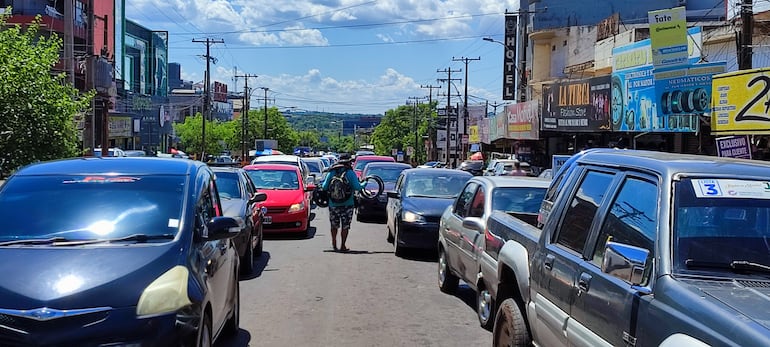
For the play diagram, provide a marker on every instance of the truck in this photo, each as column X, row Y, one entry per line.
column 636, row 248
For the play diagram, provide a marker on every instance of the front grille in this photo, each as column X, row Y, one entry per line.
column 432, row 219
column 276, row 210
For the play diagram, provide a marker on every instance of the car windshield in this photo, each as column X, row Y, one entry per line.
column 444, row 186
column 274, row 179
column 313, row 166
column 90, row 207
column 387, row 174
column 517, row 199
column 718, row 222
column 228, row 185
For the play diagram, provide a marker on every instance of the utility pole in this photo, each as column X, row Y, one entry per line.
column 745, row 50
column 245, row 117
column 495, row 105
column 430, row 92
column 265, row 132
column 414, row 124
column 207, row 90
column 465, row 103
column 448, row 81
column 431, row 128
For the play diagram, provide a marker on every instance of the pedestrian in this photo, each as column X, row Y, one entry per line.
column 340, row 184
column 517, row 171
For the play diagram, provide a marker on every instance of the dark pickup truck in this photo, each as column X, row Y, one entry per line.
column 638, row 248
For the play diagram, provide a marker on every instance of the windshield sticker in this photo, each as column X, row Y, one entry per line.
column 173, row 223
column 103, row 179
column 725, row 188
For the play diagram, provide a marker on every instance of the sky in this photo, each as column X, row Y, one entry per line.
column 343, row 56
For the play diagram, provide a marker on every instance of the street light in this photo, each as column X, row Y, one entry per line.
column 520, row 86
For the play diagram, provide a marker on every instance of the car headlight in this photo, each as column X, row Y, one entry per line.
column 412, row 217
column 297, row 207
column 168, row 293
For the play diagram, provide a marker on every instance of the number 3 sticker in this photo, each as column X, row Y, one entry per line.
column 710, row 188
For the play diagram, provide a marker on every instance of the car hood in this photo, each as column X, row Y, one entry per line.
column 83, row 276
column 748, row 298
column 282, row 197
column 426, row 206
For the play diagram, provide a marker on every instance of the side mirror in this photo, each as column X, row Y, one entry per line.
column 625, row 262
column 394, row 195
column 474, row 223
column 257, row 197
column 222, row 228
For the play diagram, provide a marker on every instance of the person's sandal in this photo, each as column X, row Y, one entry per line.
column 344, row 249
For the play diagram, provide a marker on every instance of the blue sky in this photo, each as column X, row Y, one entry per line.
column 347, row 56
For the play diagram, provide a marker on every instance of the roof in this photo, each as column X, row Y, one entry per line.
column 116, row 165
column 378, row 157
column 279, row 157
column 388, row 163
column 435, row 171
column 670, row 164
column 224, row 168
column 513, row 181
column 271, row 167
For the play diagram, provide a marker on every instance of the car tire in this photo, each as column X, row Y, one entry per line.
column 204, row 333
column 258, row 251
column 510, row 328
column 398, row 250
column 485, row 307
column 232, row 324
column 447, row 281
column 247, row 261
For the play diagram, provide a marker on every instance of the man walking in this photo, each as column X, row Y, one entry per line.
column 340, row 184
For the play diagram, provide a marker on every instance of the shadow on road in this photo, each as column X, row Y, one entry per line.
column 259, row 265
column 467, row 295
column 284, row 236
column 240, row 340
column 420, row 255
column 353, row 251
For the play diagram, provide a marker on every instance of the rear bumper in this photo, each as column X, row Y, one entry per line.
column 374, row 208
column 418, row 235
column 287, row 222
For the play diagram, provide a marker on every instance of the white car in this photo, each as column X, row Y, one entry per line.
column 112, row 152
column 284, row 159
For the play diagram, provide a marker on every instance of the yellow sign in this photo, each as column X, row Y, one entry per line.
column 740, row 103
column 668, row 36
column 473, row 136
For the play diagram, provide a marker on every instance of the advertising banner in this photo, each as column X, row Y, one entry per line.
column 509, row 57
column 639, row 53
column 577, row 106
column 120, row 126
column 523, row 121
column 668, row 36
column 683, row 95
column 473, row 134
column 734, row 147
column 739, row 101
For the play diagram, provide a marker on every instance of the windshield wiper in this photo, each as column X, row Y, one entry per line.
column 141, row 238
column 747, row 265
column 47, row 241
column 735, row 265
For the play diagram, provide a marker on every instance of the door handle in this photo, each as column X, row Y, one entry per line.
column 584, row 282
column 548, row 263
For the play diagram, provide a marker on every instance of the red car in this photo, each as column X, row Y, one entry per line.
column 288, row 197
column 362, row 160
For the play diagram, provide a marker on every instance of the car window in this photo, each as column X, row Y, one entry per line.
column 579, row 215
column 463, row 201
column 476, row 208
column 313, row 166
column 517, row 199
column 248, row 183
column 91, row 206
column 229, row 185
column 274, row 179
column 387, row 174
column 632, row 218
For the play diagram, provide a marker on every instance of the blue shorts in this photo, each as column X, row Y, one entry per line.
column 341, row 216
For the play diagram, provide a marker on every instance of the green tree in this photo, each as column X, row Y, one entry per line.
column 190, row 132
column 397, row 129
column 277, row 129
column 37, row 109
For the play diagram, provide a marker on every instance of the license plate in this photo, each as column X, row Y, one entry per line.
column 267, row 220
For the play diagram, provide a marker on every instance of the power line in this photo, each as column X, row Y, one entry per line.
column 465, row 103
column 207, row 106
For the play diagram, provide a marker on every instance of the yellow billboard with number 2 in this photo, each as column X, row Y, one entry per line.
column 740, row 102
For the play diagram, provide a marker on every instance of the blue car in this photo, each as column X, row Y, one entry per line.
column 416, row 204
column 116, row 252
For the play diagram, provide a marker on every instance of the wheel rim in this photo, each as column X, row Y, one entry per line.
column 484, row 305
column 441, row 268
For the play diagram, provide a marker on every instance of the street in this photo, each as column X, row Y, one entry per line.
column 304, row 294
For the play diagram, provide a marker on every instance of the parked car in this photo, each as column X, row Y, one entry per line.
column 374, row 209
column 490, row 169
column 288, row 197
column 461, row 249
column 135, row 153
column 416, row 204
column 653, row 248
column 547, row 173
column 474, row 167
column 285, row 159
column 316, row 168
column 136, row 251
column 112, row 152
column 241, row 201
column 361, row 160
column 431, row 164
column 505, row 168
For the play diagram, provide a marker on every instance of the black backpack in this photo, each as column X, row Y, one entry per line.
column 339, row 189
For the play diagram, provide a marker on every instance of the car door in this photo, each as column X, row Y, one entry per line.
column 472, row 240
column 605, row 305
column 455, row 233
column 218, row 253
column 395, row 203
column 556, row 267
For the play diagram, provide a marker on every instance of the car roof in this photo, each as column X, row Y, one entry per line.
column 113, row 165
column 512, row 181
column 278, row 157
column 671, row 164
column 435, row 172
column 271, row 167
column 368, row 157
column 387, row 163
column 225, row 168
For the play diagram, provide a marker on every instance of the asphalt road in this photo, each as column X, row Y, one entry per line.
column 304, row 294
